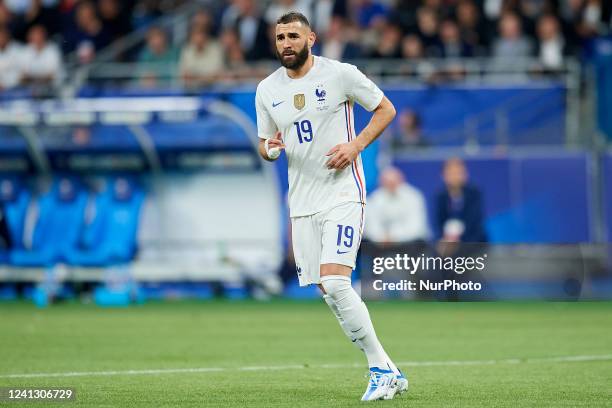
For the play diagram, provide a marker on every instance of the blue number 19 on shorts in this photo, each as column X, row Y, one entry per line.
column 345, row 236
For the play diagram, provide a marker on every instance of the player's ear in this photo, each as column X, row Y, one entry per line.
column 312, row 37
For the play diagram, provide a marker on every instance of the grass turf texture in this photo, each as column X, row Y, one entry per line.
column 76, row 338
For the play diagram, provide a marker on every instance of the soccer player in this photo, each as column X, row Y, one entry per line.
column 306, row 108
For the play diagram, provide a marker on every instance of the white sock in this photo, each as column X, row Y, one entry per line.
column 332, row 305
column 356, row 319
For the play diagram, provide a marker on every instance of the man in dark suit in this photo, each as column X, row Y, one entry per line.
column 459, row 206
column 460, row 227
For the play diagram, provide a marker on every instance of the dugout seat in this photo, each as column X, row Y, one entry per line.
column 15, row 199
column 57, row 217
column 109, row 236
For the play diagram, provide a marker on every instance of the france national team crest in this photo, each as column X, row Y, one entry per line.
column 299, row 101
column 321, row 94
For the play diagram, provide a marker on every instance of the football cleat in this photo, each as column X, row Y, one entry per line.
column 381, row 384
column 400, row 387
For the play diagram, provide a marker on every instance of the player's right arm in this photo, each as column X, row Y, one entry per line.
column 269, row 136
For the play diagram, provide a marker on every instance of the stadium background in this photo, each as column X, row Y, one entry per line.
column 129, row 175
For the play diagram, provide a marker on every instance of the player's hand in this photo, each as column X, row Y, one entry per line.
column 342, row 155
column 276, row 141
column 274, row 146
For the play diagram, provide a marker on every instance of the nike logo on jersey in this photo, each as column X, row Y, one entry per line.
column 339, row 252
column 274, row 105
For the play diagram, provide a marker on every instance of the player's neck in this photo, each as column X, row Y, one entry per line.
column 303, row 70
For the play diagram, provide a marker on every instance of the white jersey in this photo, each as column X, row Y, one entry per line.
column 315, row 113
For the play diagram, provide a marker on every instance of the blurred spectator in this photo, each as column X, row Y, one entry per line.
column 202, row 20
column 323, row 11
column 427, row 25
column 511, row 43
column 201, row 59
column 459, row 206
column 115, row 16
column 396, row 211
column 234, row 56
column 5, row 15
column 551, row 44
column 389, row 43
column 471, row 26
column 145, row 13
column 156, row 61
column 26, row 14
column 10, row 60
column 370, row 11
column 277, row 8
column 88, row 35
column 451, row 44
column 405, row 13
column 6, row 241
column 408, row 134
column 41, row 60
column 585, row 17
column 412, row 47
column 243, row 16
column 339, row 44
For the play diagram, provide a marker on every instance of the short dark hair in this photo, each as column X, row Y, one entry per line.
column 291, row 17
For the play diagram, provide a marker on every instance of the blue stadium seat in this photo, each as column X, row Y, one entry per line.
column 110, row 236
column 58, row 222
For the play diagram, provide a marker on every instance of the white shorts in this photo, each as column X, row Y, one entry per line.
column 331, row 236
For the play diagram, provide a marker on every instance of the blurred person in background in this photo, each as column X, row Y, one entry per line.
column 511, row 44
column 551, row 44
column 201, row 59
column 459, row 206
column 7, row 193
column 277, row 8
column 115, row 17
column 405, row 13
column 412, row 51
column 202, row 20
column 243, row 17
column 10, row 60
column 472, row 27
column 583, row 19
column 408, row 133
column 41, row 59
column 427, row 29
column 324, row 10
column 156, row 61
column 24, row 14
column 145, row 12
column 389, row 43
column 412, row 47
column 5, row 16
column 339, row 42
column 88, row 35
column 451, row 43
column 234, row 55
column 460, row 225
column 370, row 12
column 397, row 213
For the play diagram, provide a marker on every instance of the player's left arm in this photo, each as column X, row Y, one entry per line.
column 342, row 155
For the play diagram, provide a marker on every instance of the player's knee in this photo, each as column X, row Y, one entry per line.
column 335, row 285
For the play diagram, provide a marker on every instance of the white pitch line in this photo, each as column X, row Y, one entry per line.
column 562, row 359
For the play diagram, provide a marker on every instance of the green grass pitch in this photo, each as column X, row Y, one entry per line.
column 455, row 354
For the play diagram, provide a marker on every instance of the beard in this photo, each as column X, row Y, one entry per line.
column 298, row 61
